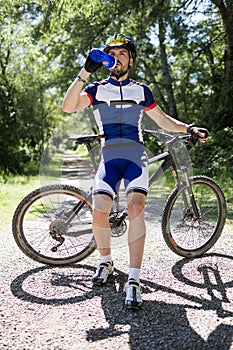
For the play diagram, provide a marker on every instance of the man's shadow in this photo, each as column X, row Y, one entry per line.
column 158, row 325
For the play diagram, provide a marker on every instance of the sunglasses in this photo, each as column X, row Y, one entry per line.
column 120, row 39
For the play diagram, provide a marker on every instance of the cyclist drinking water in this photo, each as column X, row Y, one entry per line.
column 118, row 105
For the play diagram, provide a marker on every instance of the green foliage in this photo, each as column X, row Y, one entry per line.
column 218, row 159
column 28, row 105
column 183, row 55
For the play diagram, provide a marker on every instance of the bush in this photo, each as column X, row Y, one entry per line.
column 215, row 157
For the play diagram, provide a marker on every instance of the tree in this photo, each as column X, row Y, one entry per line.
column 28, row 111
column 225, row 8
column 184, row 55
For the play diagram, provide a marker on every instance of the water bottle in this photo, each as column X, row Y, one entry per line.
column 99, row 56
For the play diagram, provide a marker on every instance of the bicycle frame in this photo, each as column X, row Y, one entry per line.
column 169, row 161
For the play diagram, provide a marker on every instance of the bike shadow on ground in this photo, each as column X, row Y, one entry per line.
column 158, row 324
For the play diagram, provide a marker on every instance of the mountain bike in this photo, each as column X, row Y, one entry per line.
column 53, row 224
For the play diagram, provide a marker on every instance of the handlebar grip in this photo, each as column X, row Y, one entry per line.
column 195, row 132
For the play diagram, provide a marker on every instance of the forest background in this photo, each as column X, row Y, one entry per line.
column 185, row 55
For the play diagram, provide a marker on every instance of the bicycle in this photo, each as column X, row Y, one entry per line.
column 53, row 224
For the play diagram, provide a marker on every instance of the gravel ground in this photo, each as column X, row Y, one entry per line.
column 188, row 304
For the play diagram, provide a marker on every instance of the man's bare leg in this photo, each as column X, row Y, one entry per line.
column 101, row 228
column 137, row 228
column 102, row 232
column 136, row 241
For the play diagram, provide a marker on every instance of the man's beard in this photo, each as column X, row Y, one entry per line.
column 118, row 72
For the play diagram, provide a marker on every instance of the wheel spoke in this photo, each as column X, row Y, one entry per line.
column 41, row 230
column 185, row 234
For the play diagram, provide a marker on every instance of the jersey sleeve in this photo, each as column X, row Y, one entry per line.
column 150, row 102
column 90, row 90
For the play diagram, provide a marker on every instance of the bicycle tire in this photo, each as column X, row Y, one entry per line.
column 48, row 207
column 186, row 236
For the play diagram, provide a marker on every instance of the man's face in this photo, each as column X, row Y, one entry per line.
column 122, row 58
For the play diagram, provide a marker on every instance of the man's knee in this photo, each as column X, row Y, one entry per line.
column 99, row 216
column 136, row 209
column 101, row 208
column 102, row 203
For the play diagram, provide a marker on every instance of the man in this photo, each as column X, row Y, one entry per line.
column 118, row 104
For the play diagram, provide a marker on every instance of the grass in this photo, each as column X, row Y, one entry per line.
column 14, row 188
column 227, row 187
column 12, row 192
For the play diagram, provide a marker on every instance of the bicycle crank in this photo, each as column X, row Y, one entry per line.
column 118, row 225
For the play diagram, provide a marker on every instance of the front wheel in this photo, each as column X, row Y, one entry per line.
column 46, row 228
column 184, row 233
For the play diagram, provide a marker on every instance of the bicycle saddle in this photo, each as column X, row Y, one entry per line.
column 85, row 138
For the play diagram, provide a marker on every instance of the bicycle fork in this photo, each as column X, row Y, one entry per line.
column 195, row 212
column 184, row 179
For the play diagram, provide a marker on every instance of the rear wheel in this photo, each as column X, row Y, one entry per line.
column 185, row 234
column 43, row 230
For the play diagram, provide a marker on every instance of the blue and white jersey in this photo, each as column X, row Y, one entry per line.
column 118, row 108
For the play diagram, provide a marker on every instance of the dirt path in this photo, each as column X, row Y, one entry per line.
column 188, row 304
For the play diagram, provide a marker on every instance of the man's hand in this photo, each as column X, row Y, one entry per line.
column 92, row 66
column 201, row 133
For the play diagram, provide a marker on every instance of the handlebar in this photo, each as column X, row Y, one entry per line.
column 169, row 139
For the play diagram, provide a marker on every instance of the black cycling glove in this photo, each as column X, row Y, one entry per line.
column 196, row 131
column 92, row 66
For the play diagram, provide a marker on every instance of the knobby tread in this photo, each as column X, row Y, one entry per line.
column 26, row 202
column 220, row 221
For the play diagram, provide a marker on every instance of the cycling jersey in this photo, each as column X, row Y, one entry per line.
column 118, row 109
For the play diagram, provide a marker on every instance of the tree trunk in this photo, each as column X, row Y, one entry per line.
column 160, row 95
column 226, row 12
column 166, row 71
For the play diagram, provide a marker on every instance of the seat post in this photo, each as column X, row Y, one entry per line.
column 92, row 156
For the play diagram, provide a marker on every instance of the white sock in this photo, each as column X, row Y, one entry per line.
column 134, row 273
column 105, row 258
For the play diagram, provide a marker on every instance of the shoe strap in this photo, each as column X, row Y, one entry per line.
column 133, row 283
column 105, row 264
